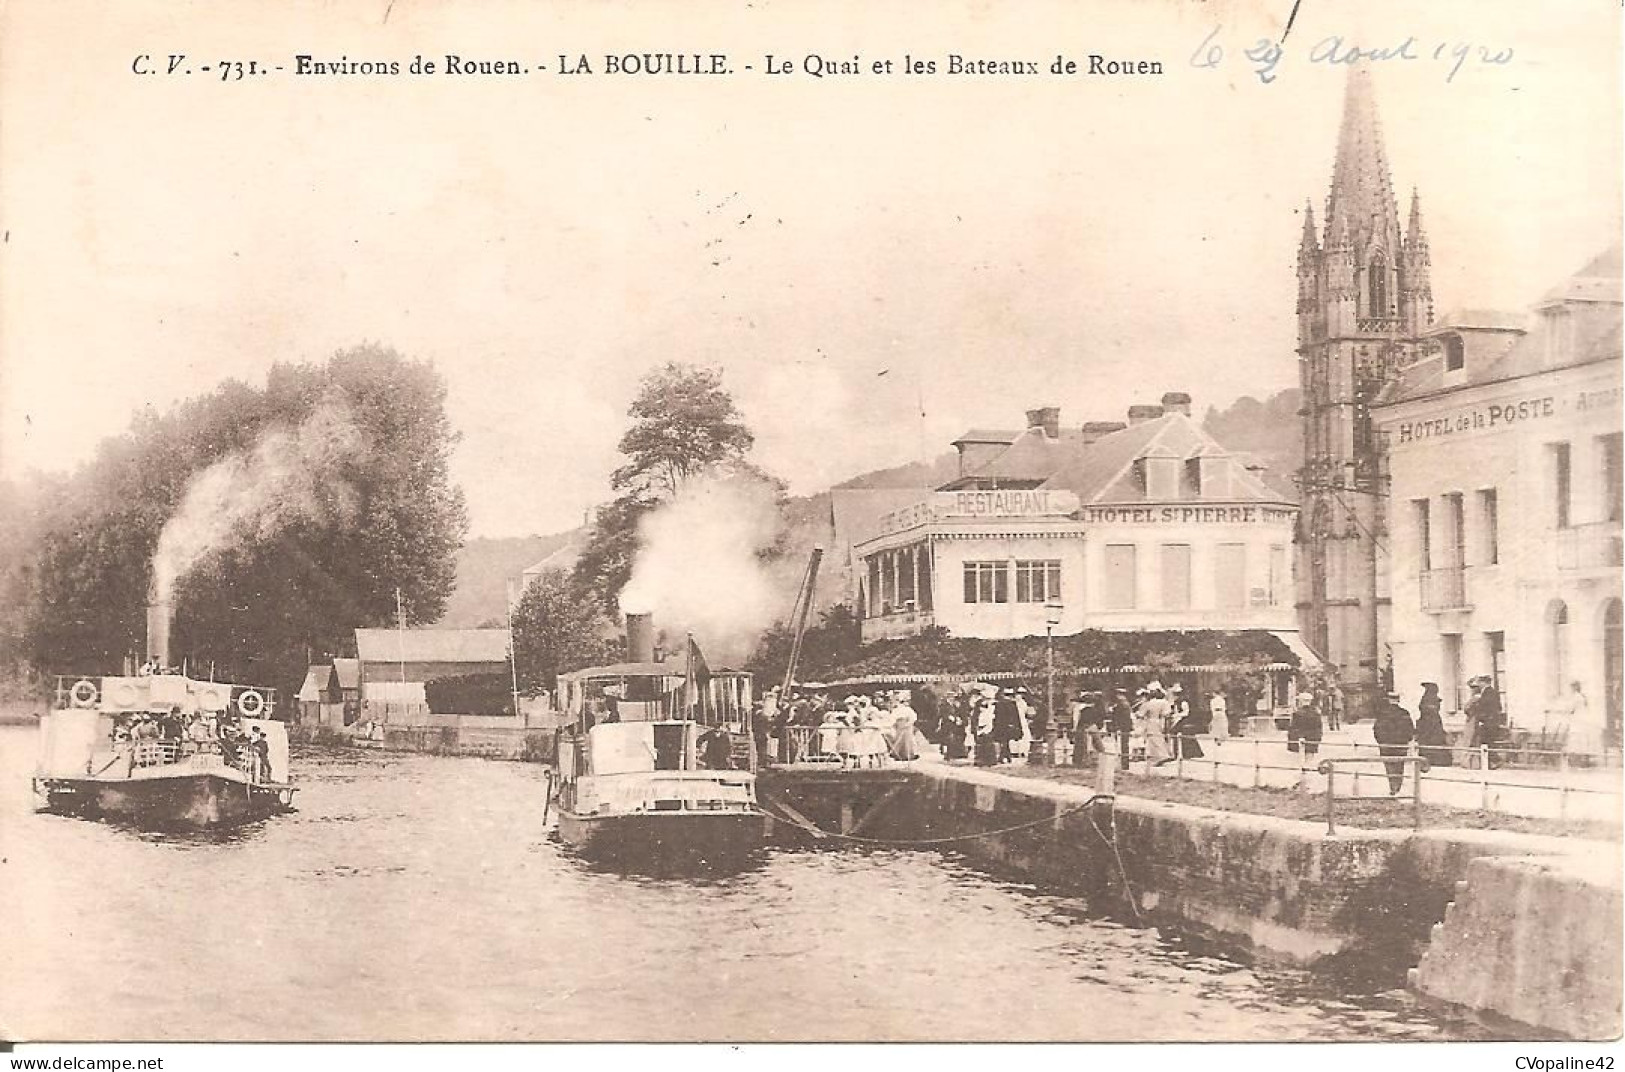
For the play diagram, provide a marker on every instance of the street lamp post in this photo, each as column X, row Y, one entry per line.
column 1044, row 751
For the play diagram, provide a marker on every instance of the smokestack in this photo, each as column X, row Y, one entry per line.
column 1093, row 430
column 1141, row 414
column 158, row 616
column 1176, row 402
column 640, row 638
column 1046, row 417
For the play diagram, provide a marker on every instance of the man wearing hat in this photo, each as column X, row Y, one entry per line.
column 1394, row 731
column 1006, row 723
column 1306, row 730
column 1486, row 718
column 1086, row 727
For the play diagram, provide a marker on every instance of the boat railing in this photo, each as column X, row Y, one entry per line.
column 148, row 753
column 133, row 693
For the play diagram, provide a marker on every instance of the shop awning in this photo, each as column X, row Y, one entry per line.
column 1092, row 653
column 1307, row 659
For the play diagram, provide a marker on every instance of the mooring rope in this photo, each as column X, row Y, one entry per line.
column 811, row 829
column 1122, row 869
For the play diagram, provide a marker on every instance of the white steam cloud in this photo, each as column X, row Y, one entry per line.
column 698, row 567
column 291, row 474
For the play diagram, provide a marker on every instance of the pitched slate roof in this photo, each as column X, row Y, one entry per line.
column 315, row 684
column 348, row 672
column 1589, row 301
column 1032, row 457
column 1104, row 472
column 987, row 435
column 432, row 645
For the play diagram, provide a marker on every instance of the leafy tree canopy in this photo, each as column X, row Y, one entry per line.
column 683, row 424
column 383, row 514
column 555, row 630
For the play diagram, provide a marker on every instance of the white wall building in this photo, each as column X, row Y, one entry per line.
column 1145, row 525
column 1505, row 508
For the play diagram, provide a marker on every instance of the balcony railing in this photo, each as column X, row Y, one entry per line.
column 1445, row 589
column 1376, row 325
column 1590, row 547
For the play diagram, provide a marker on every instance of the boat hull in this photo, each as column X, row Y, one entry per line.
column 186, row 801
column 673, row 835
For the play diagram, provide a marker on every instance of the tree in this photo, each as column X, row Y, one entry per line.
column 555, row 630
column 683, row 424
column 354, row 502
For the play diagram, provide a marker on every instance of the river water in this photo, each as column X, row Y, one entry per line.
column 418, row 897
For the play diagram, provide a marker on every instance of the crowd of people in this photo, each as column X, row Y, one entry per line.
column 151, row 738
column 1151, row 722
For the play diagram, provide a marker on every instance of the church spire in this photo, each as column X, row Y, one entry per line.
column 1308, row 247
column 1415, row 237
column 1361, row 201
column 1416, row 297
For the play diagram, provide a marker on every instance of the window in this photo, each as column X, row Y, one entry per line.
column 1489, row 508
column 1450, row 672
column 1612, row 488
column 1230, row 576
column 1038, row 581
column 905, row 577
column 1377, row 277
column 1121, row 575
column 1424, row 535
column 888, row 581
column 1176, row 576
column 1557, row 646
column 1278, row 574
column 928, row 562
column 1456, row 514
column 987, row 582
column 1562, row 485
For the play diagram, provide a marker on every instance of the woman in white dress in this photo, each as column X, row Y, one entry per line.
column 903, row 716
column 1023, row 745
column 872, row 744
column 1568, row 724
column 1150, row 723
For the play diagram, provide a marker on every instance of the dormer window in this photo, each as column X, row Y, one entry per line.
column 1455, row 354
column 1160, row 475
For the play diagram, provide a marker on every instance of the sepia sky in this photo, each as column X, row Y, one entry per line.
column 987, row 243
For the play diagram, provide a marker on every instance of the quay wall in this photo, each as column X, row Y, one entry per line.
column 1361, row 901
column 528, row 744
column 507, row 742
column 1534, row 940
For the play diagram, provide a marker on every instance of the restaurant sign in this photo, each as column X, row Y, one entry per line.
column 943, row 505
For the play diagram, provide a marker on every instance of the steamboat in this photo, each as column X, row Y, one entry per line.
column 161, row 749
column 659, row 762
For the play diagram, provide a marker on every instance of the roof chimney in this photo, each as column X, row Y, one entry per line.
column 1048, row 418
column 1093, row 430
column 1176, row 402
column 1141, row 414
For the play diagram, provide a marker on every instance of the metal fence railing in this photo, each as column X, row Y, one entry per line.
column 1485, row 771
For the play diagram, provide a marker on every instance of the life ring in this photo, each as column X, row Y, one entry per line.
column 250, row 704
column 123, row 694
column 83, row 693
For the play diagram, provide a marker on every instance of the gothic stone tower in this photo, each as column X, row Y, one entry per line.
column 1364, row 297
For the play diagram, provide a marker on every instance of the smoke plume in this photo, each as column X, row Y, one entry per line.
column 698, row 567
column 290, row 474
